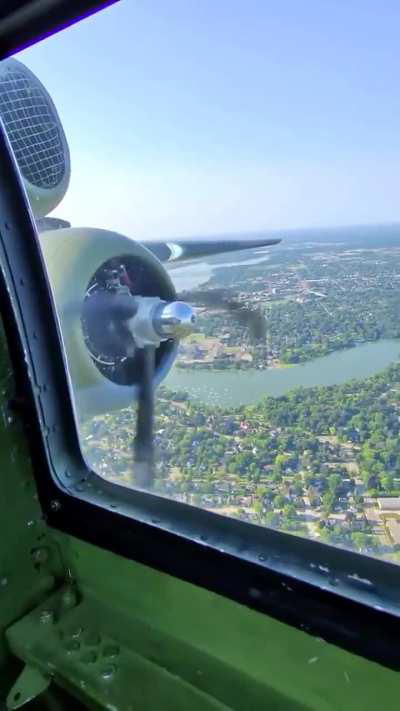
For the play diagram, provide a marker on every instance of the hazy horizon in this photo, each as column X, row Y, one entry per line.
column 282, row 232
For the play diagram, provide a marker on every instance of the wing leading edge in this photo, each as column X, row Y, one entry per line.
column 185, row 250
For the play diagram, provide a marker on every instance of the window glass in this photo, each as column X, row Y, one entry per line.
column 206, row 132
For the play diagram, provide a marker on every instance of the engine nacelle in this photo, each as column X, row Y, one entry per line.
column 79, row 263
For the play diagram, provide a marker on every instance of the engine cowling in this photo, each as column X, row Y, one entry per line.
column 80, row 263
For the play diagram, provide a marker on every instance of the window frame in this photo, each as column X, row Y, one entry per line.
column 344, row 597
column 25, row 22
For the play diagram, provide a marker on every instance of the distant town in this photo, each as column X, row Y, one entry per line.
column 321, row 302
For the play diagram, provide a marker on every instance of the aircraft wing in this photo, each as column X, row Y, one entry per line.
column 178, row 250
column 184, row 250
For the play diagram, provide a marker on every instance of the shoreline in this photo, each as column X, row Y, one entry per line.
column 218, row 368
column 215, row 367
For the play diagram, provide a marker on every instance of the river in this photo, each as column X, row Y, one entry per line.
column 233, row 388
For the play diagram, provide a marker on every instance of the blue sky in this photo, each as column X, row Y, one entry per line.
column 202, row 116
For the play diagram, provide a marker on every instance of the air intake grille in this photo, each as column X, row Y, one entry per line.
column 33, row 130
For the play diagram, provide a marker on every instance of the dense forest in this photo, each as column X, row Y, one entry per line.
column 322, row 451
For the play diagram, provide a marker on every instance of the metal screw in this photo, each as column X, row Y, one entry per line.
column 108, row 672
column 111, row 651
column 55, row 505
column 40, row 555
column 77, row 632
column 46, row 617
column 69, row 598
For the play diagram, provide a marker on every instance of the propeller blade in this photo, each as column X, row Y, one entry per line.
column 144, row 469
column 207, row 297
column 252, row 318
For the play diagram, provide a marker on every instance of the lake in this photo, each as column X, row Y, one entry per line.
column 242, row 387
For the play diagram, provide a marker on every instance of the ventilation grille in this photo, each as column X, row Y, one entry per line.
column 33, row 130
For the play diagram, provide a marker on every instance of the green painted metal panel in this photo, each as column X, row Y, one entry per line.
column 249, row 657
column 29, row 559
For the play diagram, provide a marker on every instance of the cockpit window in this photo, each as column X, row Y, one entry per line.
column 223, row 350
